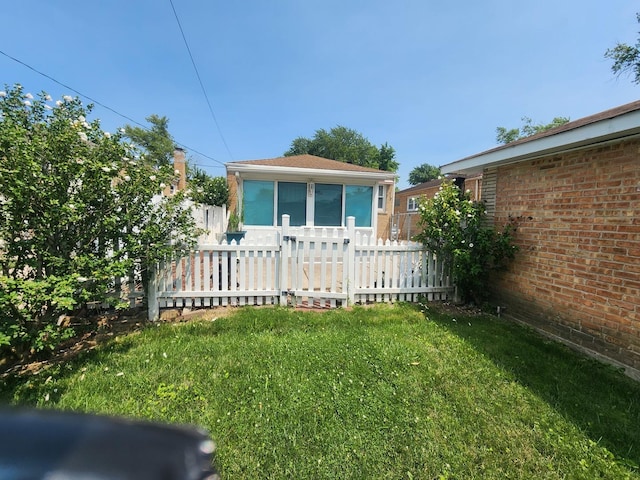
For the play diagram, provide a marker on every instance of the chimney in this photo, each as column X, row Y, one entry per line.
column 180, row 164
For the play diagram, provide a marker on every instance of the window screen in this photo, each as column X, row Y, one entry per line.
column 328, row 205
column 258, row 202
column 358, row 204
column 292, row 200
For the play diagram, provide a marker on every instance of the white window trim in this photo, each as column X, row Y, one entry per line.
column 413, row 200
column 310, row 200
column 381, row 192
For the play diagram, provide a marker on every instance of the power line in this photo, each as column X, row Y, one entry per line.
column 104, row 106
column 204, row 91
column 70, row 88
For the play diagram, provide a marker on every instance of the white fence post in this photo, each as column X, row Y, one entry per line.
column 285, row 258
column 350, row 264
column 153, row 307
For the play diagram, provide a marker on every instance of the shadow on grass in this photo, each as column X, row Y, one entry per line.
column 598, row 399
column 43, row 383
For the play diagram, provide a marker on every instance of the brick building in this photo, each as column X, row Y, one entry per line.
column 405, row 217
column 575, row 191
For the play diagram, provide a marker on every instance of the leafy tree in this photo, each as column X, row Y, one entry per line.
column 206, row 189
column 626, row 58
column 386, row 158
column 159, row 145
column 78, row 207
column 156, row 141
column 345, row 145
column 455, row 229
column 528, row 128
column 423, row 173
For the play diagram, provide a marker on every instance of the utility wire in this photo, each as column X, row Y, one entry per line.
column 104, row 106
column 204, row 91
column 70, row 88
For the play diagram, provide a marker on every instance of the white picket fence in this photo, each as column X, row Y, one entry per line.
column 325, row 269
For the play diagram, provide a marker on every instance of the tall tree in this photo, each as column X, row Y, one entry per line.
column 626, row 58
column 423, row 173
column 345, row 145
column 504, row 135
column 386, row 158
column 156, row 140
column 158, row 145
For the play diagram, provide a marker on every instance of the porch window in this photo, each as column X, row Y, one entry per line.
column 263, row 199
column 258, row 202
column 292, row 200
column 358, row 204
column 328, row 205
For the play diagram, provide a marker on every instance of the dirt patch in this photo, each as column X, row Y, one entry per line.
column 450, row 308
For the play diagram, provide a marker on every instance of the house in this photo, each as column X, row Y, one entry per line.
column 315, row 192
column 405, row 216
column 575, row 192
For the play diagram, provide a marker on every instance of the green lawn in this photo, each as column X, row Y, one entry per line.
column 385, row 392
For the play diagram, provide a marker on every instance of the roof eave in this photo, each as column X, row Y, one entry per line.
column 603, row 131
column 308, row 172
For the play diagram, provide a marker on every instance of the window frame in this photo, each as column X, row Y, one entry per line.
column 363, row 220
column 381, row 198
column 277, row 206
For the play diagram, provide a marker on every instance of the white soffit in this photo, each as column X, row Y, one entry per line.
column 269, row 171
column 598, row 132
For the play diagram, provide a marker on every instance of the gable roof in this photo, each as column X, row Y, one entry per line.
column 612, row 124
column 305, row 161
column 309, row 167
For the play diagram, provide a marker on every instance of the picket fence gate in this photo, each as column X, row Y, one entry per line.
column 324, row 269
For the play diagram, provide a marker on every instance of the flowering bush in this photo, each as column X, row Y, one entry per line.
column 455, row 228
column 78, row 207
column 206, row 189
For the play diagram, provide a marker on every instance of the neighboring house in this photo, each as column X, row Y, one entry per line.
column 575, row 192
column 314, row 191
column 406, row 216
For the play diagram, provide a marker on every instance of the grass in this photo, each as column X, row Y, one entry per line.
column 386, row 392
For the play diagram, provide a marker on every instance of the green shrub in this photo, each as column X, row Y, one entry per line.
column 29, row 309
column 78, row 207
column 455, row 228
column 206, row 189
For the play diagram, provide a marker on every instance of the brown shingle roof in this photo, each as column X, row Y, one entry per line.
column 422, row 186
column 581, row 122
column 307, row 161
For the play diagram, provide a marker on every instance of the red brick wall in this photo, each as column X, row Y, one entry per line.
column 577, row 274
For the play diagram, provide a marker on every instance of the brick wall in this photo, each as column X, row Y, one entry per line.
column 383, row 222
column 577, row 274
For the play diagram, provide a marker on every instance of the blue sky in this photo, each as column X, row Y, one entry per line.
column 432, row 79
